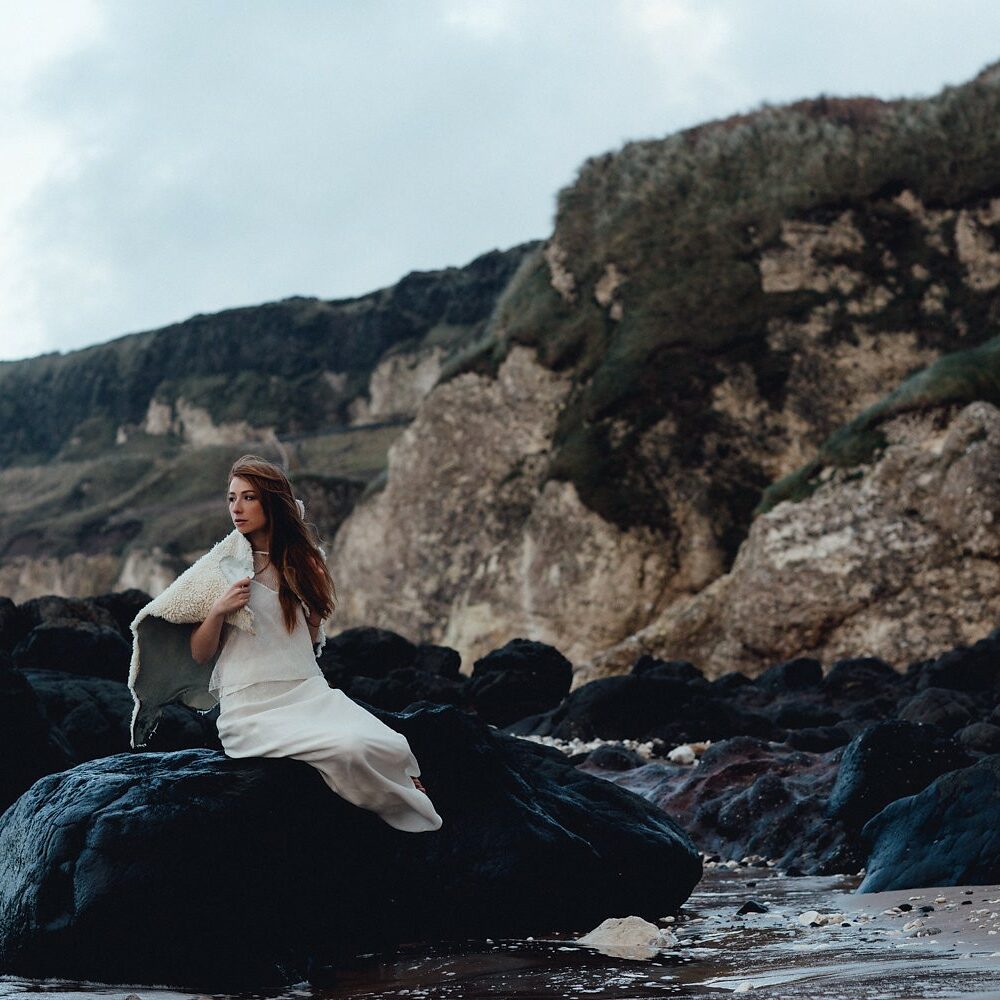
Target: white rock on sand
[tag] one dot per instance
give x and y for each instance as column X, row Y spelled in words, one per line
column 628, row 937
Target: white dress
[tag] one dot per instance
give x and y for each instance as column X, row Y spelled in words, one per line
column 275, row 702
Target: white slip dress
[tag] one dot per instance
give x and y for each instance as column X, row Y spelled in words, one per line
column 275, row 702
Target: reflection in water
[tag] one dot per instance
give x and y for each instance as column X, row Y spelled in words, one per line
column 927, row 944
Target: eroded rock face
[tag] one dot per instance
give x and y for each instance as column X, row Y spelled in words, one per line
column 467, row 543
column 239, row 864
column 897, row 560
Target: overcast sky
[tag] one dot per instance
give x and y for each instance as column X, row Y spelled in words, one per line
column 160, row 158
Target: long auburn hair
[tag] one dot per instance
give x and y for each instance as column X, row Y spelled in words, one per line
column 293, row 552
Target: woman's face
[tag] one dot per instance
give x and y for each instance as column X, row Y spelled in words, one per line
column 245, row 507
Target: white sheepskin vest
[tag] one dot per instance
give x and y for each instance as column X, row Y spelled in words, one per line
column 163, row 669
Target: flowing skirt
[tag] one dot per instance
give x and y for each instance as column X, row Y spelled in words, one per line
column 361, row 758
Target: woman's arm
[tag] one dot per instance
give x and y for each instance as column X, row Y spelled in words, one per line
column 205, row 638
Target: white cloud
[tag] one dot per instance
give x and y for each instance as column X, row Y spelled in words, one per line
column 483, row 20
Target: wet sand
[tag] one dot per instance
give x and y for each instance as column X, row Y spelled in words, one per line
column 884, row 947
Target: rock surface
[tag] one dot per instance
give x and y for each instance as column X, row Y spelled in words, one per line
column 899, row 562
column 253, row 870
column 948, row 834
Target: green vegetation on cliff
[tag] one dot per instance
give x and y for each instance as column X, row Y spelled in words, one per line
column 957, row 378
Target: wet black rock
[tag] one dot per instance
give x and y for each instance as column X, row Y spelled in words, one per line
column 441, row 660
column 614, row 758
column 889, row 761
column 13, row 626
column 750, row 797
column 819, row 739
column 28, row 746
column 521, row 678
column 364, row 652
column 751, row 906
column 52, row 608
column 385, row 669
column 254, row 871
column 91, row 716
column 677, row 670
column 966, row 668
column 792, row 675
column 648, row 706
column 404, row 686
column 980, row 737
column 941, row 707
column 123, row 606
column 948, row 834
column 78, row 647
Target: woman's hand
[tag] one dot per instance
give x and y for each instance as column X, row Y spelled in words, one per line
column 233, row 599
column 205, row 638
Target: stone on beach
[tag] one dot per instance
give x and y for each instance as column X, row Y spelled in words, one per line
column 628, row 937
column 252, row 869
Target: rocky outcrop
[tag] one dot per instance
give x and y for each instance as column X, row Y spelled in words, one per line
column 897, row 559
column 468, row 544
column 240, row 864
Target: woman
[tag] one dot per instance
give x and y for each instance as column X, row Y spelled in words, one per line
column 273, row 698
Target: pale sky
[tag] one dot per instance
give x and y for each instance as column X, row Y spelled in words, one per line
column 160, row 158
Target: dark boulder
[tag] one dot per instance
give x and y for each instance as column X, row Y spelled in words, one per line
column 678, row 670
column 404, row 686
column 980, row 737
column 91, row 715
column 77, row 647
column 860, row 678
column 801, row 714
column 52, row 607
column 966, row 668
column 216, row 874
column 792, row 675
column 28, row 747
column 819, row 739
column 13, row 625
column 365, row 652
column 650, row 707
column 441, row 660
column 521, row 678
column 886, row 762
column 948, row 710
column 377, row 652
column 123, row 606
column 611, row 757
column 948, row 834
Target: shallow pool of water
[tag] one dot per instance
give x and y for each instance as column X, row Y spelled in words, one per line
column 884, row 947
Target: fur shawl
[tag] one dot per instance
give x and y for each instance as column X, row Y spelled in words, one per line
column 163, row 669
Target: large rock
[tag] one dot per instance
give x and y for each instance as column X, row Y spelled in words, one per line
column 79, row 647
column 521, row 678
column 889, row 761
column 29, row 748
column 92, row 716
column 948, row 834
column 251, row 870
